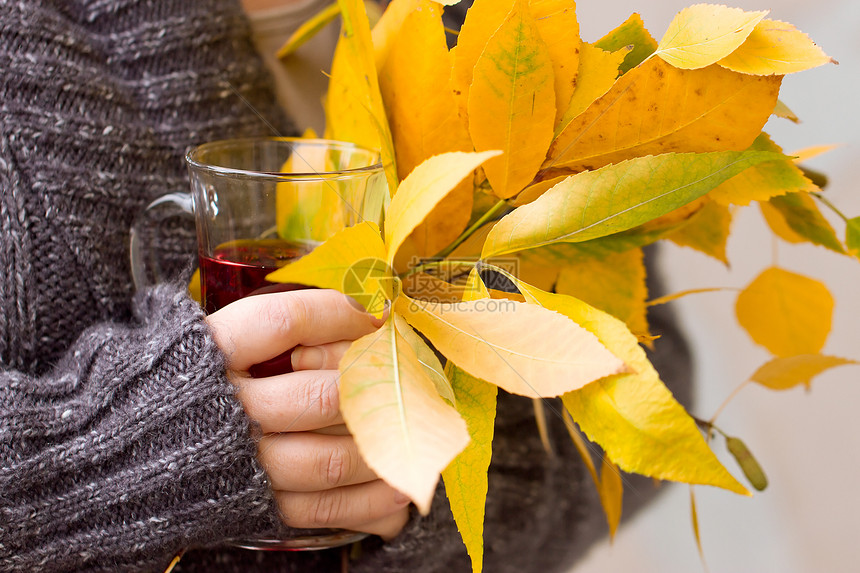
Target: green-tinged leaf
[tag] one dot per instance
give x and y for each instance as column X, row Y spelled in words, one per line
column 776, row 47
column 466, row 477
column 802, row 216
column 783, row 111
column 309, row 29
column 790, row 371
column 615, row 285
column 747, row 462
column 419, row 193
column 633, row 416
column 777, row 224
column 432, row 367
column 352, row 262
column 522, row 348
column 708, row 232
column 785, row 312
column 616, row 198
column 482, row 20
column 852, row 236
column 406, row 433
column 512, row 102
column 704, row 34
column 354, row 109
column 656, row 108
column 631, row 33
column 764, row 181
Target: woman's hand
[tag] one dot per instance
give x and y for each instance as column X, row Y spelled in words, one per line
column 318, row 476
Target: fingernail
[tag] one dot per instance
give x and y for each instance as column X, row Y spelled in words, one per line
column 355, row 304
column 308, row 358
column 400, row 499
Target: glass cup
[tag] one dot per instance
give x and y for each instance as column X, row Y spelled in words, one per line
column 258, row 204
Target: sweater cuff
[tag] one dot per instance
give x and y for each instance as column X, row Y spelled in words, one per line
column 135, row 447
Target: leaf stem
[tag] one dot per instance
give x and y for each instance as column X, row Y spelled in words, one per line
column 464, row 236
column 830, row 205
column 725, row 403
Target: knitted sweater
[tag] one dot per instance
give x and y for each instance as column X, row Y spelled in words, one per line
column 121, row 441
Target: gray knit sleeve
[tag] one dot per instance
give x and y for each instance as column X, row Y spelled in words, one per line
column 132, row 448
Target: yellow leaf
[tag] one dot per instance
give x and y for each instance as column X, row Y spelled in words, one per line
column 611, row 492
column 783, row 111
column 194, row 287
column 808, row 153
column 790, row 371
column 388, row 27
column 424, row 119
column 404, row 431
column 764, row 181
column 615, row 285
column 419, row 193
column 633, row 416
column 466, row 477
column 708, row 231
column 785, row 312
column 354, row 109
column 424, row 286
column 512, row 102
column 482, row 20
column 519, row 347
column 598, row 71
column 559, row 29
column 309, row 29
column 775, row 47
column 777, row 224
column 656, row 108
column 427, row 358
column 805, row 220
column 535, row 190
column 704, row 34
column 352, row 262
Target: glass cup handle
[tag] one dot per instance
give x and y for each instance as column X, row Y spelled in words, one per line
column 143, row 262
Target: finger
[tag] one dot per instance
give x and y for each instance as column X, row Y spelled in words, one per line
column 346, row 507
column 305, row 462
column 322, row 357
column 294, row 402
column 257, row 328
column 387, row 527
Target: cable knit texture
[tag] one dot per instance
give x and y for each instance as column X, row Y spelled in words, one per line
column 121, row 442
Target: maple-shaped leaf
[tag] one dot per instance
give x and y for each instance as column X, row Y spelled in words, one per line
column 708, row 232
column 704, row 34
column 424, row 119
column 786, row 312
column 511, row 103
column 657, row 108
column 412, row 433
column 775, row 47
column 616, row 198
column 787, row 372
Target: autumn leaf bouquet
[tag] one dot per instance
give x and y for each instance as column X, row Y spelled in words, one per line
column 526, row 171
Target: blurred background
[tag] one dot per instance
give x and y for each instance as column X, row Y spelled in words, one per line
column 808, row 443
